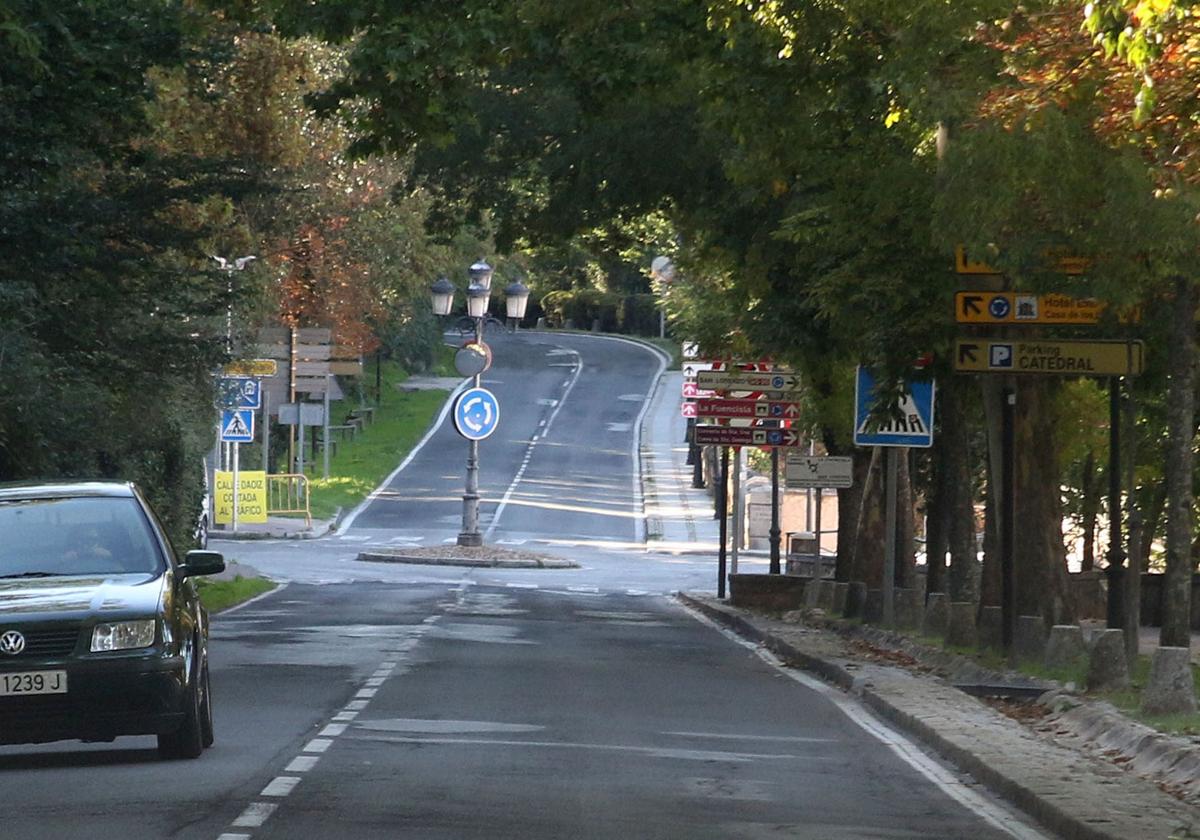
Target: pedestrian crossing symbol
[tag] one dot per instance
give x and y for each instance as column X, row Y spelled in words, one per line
column 237, row 425
column 909, row 424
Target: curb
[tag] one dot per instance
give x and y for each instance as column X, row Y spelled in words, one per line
column 1047, row 813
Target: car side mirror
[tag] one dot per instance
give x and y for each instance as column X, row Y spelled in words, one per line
column 201, row 563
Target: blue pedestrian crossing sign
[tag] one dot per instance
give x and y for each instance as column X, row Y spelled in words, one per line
column 237, row 425
column 476, row 413
column 911, row 424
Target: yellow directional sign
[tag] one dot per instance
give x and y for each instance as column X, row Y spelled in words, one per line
column 1050, row 358
column 965, row 264
column 1023, row 308
column 251, row 367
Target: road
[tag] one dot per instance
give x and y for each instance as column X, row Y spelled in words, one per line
column 370, row 700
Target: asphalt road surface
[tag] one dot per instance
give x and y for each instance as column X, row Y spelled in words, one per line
column 367, row 700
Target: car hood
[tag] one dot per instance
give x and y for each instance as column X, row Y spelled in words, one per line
column 79, row 597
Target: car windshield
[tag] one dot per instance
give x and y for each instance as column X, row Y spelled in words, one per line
column 75, row 536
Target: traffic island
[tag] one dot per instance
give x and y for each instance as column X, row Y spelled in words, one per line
column 482, row 556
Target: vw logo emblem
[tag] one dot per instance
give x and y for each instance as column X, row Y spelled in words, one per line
column 12, row 643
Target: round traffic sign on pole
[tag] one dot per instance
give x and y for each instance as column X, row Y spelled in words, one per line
column 476, row 413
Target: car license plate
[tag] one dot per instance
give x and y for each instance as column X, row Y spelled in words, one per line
column 33, row 682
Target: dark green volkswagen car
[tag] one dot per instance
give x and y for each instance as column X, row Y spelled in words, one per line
column 101, row 630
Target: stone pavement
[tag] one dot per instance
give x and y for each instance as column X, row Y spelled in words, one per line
column 679, row 517
column 1076, row 795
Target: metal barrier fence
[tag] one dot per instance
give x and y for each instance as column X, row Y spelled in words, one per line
column 288, row 493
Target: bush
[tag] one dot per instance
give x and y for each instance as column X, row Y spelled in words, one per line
column 582, row 308
column 639, row 315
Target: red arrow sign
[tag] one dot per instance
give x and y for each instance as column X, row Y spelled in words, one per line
column 692, row 391
column 688, row 409
column 762, row 409
column 745, row 436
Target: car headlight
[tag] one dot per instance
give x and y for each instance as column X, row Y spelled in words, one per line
column 123, row 635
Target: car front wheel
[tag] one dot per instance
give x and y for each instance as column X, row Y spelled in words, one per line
column 188, row 740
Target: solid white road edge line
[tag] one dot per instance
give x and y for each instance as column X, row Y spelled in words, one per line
column 994, row 812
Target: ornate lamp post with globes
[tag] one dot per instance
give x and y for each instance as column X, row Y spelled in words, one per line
column 476, row 410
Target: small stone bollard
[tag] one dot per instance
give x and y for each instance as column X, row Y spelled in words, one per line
column 1107, row 669
column 937, row 614
column 1170, row 689
column 1029, row 641
column 856, row 598
column 909, row 609
column 960, row 629
column 1065, row 648
column 825, row 597
column 991, row 628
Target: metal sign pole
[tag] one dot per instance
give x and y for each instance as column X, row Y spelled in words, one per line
column 325, row 428
column 773, row 534
column 300, row 448
column 236, row 448
column 723, row 506
column 266, row 427
column 737, row 510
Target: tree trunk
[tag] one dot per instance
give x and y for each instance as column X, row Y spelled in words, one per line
column 1040, row 557
column 960, row 489
column 906, row 559
column 849, row 505
column 937, row 517
column 1089, row 509
column 869, row 536
column 1181, row 410
column 1152, row 522
column 990, row 580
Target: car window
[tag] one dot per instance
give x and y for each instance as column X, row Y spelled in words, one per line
column 86, row 535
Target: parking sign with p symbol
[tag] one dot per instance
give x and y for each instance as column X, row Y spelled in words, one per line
column 1000, row 356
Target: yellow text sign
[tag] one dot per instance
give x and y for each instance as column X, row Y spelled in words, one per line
column 964, row 263
column 1050, row 358
column 252, row 497
column 1023, row 308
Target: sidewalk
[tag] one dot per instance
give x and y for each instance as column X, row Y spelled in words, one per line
column 679, row 517
column 275, row 528
column 1068, row 791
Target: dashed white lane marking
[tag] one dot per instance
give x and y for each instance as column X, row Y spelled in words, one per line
column 588, row 589
column 302, row 763
column 511, row 585
column 255, row 815
column 281, row 786
column 636, row 592
column 577, row 364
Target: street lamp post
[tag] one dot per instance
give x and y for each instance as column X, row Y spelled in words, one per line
column 478, row 295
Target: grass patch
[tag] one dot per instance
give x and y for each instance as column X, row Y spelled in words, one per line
column 361, row 463
column 219, row 595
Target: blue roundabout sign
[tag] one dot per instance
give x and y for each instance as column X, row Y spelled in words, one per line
column 476, row 413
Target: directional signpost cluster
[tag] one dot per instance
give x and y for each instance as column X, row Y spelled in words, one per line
column 736, row 404
column 999, row 343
